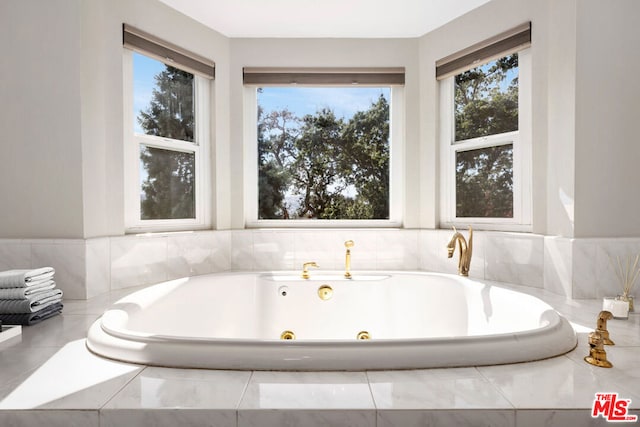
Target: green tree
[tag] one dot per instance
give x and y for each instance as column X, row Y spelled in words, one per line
column 486, row 103
column 483, row 106
column 484, row 182
column 365, row 160
column 168, row 189
column 315, row 169
column 277, row 133
column 327, row 168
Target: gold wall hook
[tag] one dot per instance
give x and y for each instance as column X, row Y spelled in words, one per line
column 601, row 328
column 597, row 356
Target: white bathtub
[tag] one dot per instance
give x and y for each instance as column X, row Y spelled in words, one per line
column 415, row 320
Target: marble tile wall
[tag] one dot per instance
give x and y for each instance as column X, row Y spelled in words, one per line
column 576, row 268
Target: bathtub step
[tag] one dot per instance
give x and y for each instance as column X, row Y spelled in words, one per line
column 9, row 332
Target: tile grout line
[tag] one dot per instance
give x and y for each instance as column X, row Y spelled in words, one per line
column 115, row 393
column 244, row 391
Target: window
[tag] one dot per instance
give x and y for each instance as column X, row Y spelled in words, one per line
column 485, row 140
column 166, row 118
column 324, row 155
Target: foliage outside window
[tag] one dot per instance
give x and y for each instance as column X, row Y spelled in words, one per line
column 485, row 152
column 323, row 160
column 169, row 144
column 486, row 103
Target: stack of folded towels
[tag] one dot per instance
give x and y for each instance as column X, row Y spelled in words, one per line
column 28, row 296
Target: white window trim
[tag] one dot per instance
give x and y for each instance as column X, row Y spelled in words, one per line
column 522, row 157
column 200, row 148
column 396, row 166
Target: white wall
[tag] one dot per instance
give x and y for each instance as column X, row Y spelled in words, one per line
column 61, row 111
column 328, row 53
column 607, row 142
column 477, row 25
column 102, row 101
column 40, row 140
column 585, row 106
column 561, row 68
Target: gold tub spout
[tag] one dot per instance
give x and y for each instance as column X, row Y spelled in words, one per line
column 305, row 268
column 601, row 327
column 347, row 258
column 465, row 249
column 597, row 356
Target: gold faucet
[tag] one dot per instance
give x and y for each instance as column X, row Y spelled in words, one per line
column 347, row 259
column 305, row 268
column 597, row 355
column 465, row 250
column 601, row 327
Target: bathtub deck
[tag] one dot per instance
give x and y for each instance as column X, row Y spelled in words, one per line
column 47, row 377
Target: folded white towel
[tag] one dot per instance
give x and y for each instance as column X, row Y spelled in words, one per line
column 24, row 293
column 32, row 303
column 25, row 278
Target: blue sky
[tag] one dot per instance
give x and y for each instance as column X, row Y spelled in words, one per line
column 344, row 101
column 144, row 69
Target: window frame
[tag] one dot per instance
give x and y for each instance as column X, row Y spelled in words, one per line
column 396, row 163
column 522, row 155
column 200, row 147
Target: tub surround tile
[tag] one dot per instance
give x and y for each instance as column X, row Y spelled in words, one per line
column 14, row 254
column 53, row 369
column 273, row 250
column 433, row 252
column 77, row 379
column 455, row 388
column 221, row 251
column 625, row 370
column 478, row 259
column 49, row 418
column 68, row 257
column 593, row 274
column 558, row 269
column 559, row 418
column 575, row 388
column 366, row 254
column 166, row 388
column 472, row 418
column 514, row 258
column 242, row 250
column 16, row 363
column 194, row 253
column 307, row 418
column 138, row 260
column 56, row 331
column 307, row 390
column 577, row 268
column 168, row 418
column 397, row 250
column 318, row 246
column 98, row 266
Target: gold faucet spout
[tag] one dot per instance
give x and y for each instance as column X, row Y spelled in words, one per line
column 465, row 250
column 305, row 268
column 347, row 259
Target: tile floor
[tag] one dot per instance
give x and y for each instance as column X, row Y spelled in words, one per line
column 48, row 378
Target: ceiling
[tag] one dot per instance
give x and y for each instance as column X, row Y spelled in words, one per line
column 324, row 18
